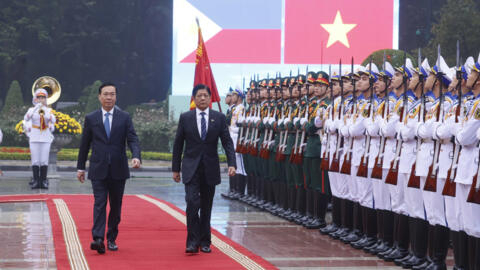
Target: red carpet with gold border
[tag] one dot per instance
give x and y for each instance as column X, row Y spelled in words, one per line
column 152, row 236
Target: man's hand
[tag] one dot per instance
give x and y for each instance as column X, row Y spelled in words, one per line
column 176, row 177
column 135, row 163
column 231, row 171
column 81, row 176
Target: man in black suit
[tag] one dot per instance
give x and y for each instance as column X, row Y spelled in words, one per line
column 200, row 130
column 107, row 130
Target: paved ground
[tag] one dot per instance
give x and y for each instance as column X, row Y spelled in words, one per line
column 283, row 243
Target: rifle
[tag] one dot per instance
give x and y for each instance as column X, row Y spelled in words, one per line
column 414, row 180
column 474, row 193
column 253, row 143
column 326, row 154
column 335, row 166
column 392, row 175
column 282, row 146
column 240, row 132
column 347, row 162
column 449, row 189
column 245, row 142
column 297, row 132
column 363, row 167
column 377, row 171
column 431, row 182
column 264, row 153
column 298, row 158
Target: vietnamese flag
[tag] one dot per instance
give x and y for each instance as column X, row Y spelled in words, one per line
column 203, row 72
column 317, row 30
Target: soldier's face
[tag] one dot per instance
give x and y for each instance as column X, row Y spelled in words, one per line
column 453, row 84
column 304, row 90
column 234, row 99
column 414, row 81
column 228, row 100
column 336, row 88
column 278, row 94
column 263, row 92
column 285, row 93
column 362, row 83
column 347, row 86
column 472, row 78
column 41, row 99
column 295, row 92
column 379, row 85
column 397, row 79
column 429, row 82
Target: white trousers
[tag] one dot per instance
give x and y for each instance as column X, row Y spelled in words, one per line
column 470, row 215
column 414, row 199
column 453, row 210
column 352, row 183
column 381, row 194
column 397, row 194
column 434, row 203
column 39, row 152
column 365, row 190
column 338, row 185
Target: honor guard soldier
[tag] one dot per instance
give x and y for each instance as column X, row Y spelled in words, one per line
column 318, row 186
column 467, row 171
column 329, row 150
column 228, row 117
column 381, row 194
column 39, row 123
column 397, row 181
column 238, row 111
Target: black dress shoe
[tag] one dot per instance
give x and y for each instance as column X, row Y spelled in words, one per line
column 396, row 254
column 423, row 265
column 98, row 245
column 191, row 249
column 413, row 261
column 205, row 249
column 352, row 237
column 400, row 261
column 112, row 246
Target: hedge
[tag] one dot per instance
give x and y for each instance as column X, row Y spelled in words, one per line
column 22, row 153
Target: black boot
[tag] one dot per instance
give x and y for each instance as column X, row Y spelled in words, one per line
column 379, row 220
column 229, row 194
column 459, row 264
column 318, row 211
column 336, row 217
column 346, row 220
column 301, row 205
column 43, row 177
column 419, row 246
column 309, row 205
column 357, row 231
column 401, row 250
column 473, row 252
column 291, row 212
column 36, row 175
column 242, row 180
column 440, row 248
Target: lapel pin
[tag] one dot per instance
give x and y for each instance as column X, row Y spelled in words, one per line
column 212, row 120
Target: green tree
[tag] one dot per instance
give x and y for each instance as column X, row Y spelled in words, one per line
column 14, row 99
column 457, row 20
column 92, row 101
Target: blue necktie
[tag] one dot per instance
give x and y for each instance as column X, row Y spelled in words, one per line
column 107, row 124
column 203, row 126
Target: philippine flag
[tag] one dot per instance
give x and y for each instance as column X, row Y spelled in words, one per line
column 246, row 31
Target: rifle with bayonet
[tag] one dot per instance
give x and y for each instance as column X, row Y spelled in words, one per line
column 377, row 171
column 449, row 189
column 240, row 132
column 325, row 163
column 392, row 176
column 414, row 180
column 431, row 182
column 347, row 162
column 363, row 167
column 298, row 157
column 335, row 166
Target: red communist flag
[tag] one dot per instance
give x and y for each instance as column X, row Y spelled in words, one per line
column 317, row 30
column 203, row 72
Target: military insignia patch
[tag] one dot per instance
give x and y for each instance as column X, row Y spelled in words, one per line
column 365, row 113
column 477, row 114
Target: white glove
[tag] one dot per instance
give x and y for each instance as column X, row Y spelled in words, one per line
column 271, row 120
column 240, row 120
column 295, row 120
column 51, row 127
column 280, row 121
column 286, row 121
column 303, row 121
column 264, row 120
column 344, row 131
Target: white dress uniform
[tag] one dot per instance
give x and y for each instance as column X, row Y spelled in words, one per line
column 237, row 119
column 40, row 137
column 413, row 196
column 337, row 186
column 349, row 188
column 467, row 167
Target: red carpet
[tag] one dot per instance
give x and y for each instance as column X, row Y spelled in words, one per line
column 151, row 237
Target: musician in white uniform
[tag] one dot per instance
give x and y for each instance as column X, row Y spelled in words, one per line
column 39, row 123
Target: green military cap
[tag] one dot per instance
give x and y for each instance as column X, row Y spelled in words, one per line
column 322, row 77
column 301, row 79
column 311, row 77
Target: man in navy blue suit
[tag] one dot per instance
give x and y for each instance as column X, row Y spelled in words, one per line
column 199, row 130
column 106, row 131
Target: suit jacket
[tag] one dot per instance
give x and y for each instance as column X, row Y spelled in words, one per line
column 197, row 150
column 108, row 151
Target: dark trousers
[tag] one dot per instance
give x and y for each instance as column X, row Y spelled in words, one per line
column 199, row 198
column 113, row 190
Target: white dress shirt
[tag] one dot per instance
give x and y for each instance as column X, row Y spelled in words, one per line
column 110, row 117
column 199, row 120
